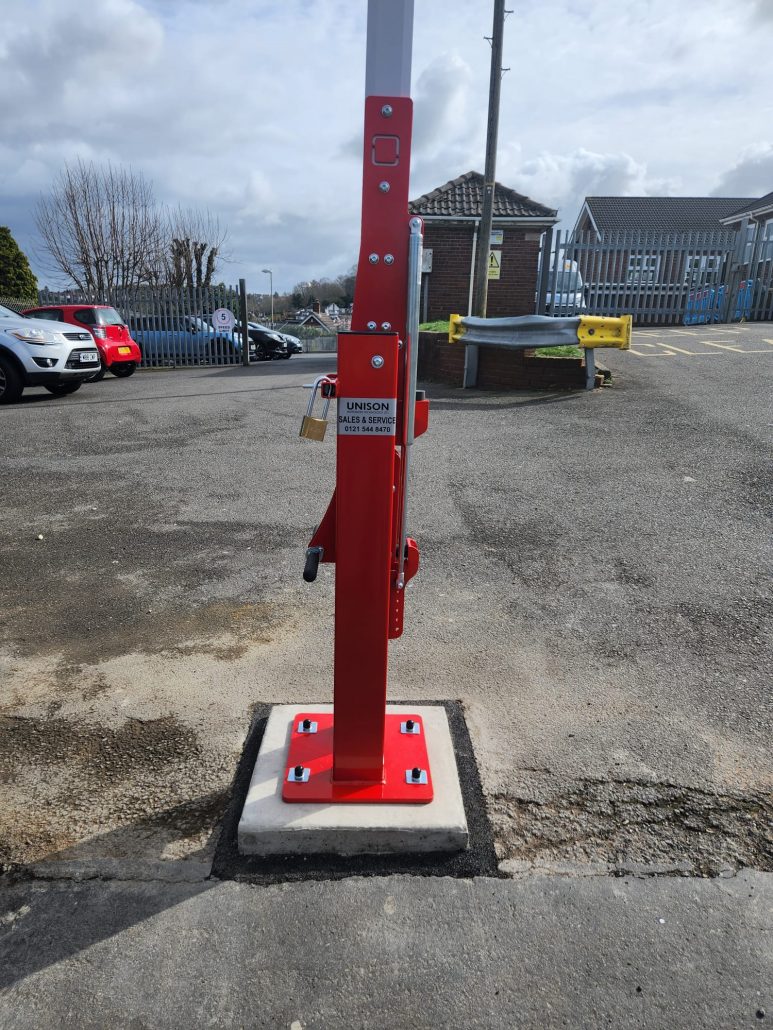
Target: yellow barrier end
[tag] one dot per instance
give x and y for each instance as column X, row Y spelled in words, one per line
column 599, row 331
column 455, row 328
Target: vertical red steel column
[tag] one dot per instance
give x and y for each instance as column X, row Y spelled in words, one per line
column 366, row 503
column 367, row 418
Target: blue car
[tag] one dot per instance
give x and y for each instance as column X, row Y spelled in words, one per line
column 182, row 340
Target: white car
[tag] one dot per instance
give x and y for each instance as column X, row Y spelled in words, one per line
column 34, row 352
column 566, row 282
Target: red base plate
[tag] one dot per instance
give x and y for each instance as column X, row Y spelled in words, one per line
column 314, row 751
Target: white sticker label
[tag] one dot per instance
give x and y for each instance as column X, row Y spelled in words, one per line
column 367, row 416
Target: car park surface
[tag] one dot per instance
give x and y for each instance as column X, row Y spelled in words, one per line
column 595, row 590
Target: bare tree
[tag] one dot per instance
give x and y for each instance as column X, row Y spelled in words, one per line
column 102, row 226
column 195, row 242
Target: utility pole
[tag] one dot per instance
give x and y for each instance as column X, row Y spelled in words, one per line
column 480, row 292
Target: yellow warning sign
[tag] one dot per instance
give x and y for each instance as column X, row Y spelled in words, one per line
column 494, row 263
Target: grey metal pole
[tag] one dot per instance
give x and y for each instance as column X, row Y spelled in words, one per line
column 243, row 320
column 389, row 48
column 480, row 293
column 415, row 244
column 542, row 286
column 270, row 274
column 590, row 368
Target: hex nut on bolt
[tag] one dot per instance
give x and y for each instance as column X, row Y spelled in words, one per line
column 377, row 361
column 384, row 187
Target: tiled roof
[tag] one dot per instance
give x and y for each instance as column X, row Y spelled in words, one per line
column 662, row 214
column 749, row 208
column 464, row 197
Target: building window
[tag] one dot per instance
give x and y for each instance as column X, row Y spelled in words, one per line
column 699, row 268
column 643, row 268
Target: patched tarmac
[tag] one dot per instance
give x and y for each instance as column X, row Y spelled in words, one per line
column 594, row 593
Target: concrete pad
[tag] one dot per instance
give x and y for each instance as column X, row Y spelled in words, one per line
column 269, row 826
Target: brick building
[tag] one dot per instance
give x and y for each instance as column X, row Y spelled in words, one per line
column 451, row 216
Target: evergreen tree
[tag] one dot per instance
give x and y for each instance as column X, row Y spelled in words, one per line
column 16, row 278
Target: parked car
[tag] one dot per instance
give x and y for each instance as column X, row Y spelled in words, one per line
column 268, row 343
column 42, row 353
column 294, row 345
column 118, row 352
column 567, row 285
column 186, row 340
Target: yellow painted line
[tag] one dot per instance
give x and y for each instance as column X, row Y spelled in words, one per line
column 678, row 349
column 768, row 341
column 722, row 346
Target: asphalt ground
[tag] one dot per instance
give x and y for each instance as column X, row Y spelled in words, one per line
column 594, row 590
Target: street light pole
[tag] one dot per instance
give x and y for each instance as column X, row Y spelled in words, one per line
column 270, row 274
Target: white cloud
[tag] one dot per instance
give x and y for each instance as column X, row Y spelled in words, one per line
column 564, row 180
column 751, row 175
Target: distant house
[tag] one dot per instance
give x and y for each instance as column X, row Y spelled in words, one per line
column 656, row 214
column 750, row 275
column 314, row 318
column 754, row 220
column 451, row 215
column 649, row 255
column 659, row 219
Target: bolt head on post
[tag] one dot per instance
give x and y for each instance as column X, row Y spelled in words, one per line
column 386, row 110
column 371, row 325
column 377, row 361
column 373, row 258
column 384, row 186
column 389, row 259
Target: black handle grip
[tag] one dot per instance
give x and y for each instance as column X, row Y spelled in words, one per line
column 313, row 558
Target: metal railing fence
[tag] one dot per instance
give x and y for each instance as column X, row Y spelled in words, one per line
column 171, row 325
column 659, row 278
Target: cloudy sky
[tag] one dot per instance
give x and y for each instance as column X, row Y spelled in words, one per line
column 253, row 108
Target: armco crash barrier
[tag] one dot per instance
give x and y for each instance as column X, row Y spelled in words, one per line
column 530, row 332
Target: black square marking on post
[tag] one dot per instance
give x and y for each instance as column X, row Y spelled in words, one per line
column 478, row 860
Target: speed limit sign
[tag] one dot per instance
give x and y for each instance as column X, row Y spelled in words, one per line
column 223, row 319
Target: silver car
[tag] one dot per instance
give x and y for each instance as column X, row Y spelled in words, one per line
column 34, row 352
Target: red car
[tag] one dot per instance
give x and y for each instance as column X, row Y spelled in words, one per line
column 117, row 350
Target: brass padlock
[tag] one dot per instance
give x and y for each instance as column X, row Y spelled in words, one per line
column 314, row 428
